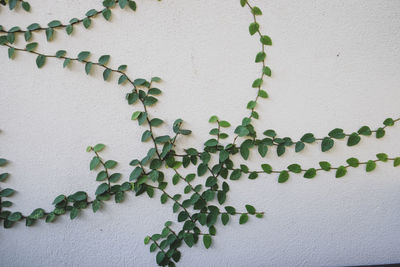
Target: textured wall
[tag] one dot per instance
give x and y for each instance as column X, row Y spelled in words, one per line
column 335, row 64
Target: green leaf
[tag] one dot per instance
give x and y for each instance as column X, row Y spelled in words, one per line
column 310, row 173
column 396, row 162
column 296, row 168
column 88, row 67
column 241, row 131
column 201, row 169
column 139, row 82
column 106, row 74
column 224, row 124
column 40, row 60
column 163, row 198
column 308, row 138
column 260, row 57
column 266, row 168
column 156, row 122
column 28, row 36
column 371, row 165
column 211, row 142
column 253, row 28
column 266, row 40
column 263, row 94
column 11, row 52
column 213, row 119
column 33, row 26
column 50, row 217
column 31, row 46
column 327, row 144
column 253, row 175
column 122, row 79
column 102, row 189
column 132, row 5
column 106, row 13
column 256, row 11
column 83, row 55
column 207, row 241
column 3, row 177
column 354, row 139
column 69, row 29
column 154, row 91
column 79, row 196
column 86, row 22
column 326, row 166
column 353, row 162
column 235, row 175
column 267, row 71
column 136, row 115
column 74, row 213
column 224, row 218
column 243, row 218
column 91, row 13
column 252, row 104
column 3, row 162
column 230, row 210
column 96, row 205
column 341, row 171
column 223, row 155
column 49, row 34
column 114, row 177
column 94, row 163
column 37, row 214
column 283, row 177
column 26, row 6
column 388, row 122
column 380, row 133
column 257, row 83
column 119, row 196
column 61, row 53
column 156, row 79
column 54, row 23
column 66, row 62
column 149, row 100
column 365, row 130
column 109, row 164
column 59, row 199
column 280, row 150
column 299, row 146
column 250, row 209
column 101, row 176
column 103, row 60
column 262, row 149
column 14, row 217
column 98, row 147
column 382, row 157
column 6, row 192
column 337, row 133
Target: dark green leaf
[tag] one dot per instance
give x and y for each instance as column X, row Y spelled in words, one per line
column 207, row 241
column 243, row 218
column 283, row 176
column 341, row 171
column 40, row 60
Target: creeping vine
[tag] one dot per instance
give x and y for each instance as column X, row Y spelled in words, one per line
column 202, row 204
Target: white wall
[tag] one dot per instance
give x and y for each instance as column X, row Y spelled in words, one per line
column 335, row 64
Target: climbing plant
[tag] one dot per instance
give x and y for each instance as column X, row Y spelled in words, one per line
column 202, row 204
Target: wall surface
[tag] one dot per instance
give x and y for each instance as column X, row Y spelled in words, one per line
column 335, row 64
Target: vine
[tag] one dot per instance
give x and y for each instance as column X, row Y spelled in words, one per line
column 201, row 205
column 13, row 4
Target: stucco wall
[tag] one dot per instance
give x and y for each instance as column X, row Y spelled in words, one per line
column 335, row 64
